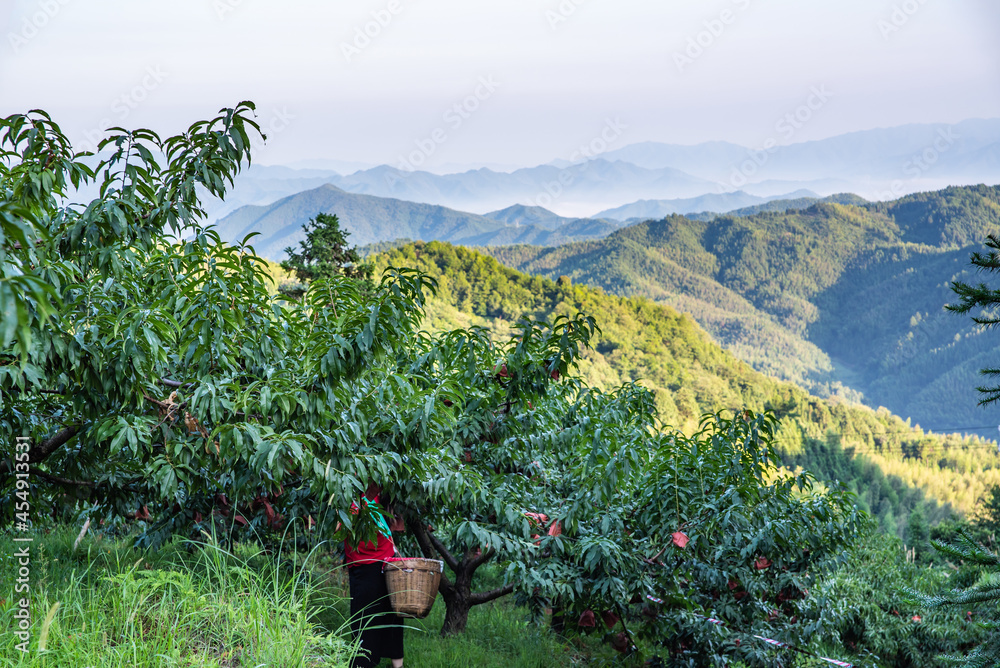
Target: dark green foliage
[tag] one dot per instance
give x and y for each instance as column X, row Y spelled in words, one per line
column 918, row 532
column 983, row 597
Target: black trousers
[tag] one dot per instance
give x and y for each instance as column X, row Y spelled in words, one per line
column 372, row 618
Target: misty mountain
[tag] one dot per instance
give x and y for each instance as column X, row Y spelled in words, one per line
column 369, row 219
column 521, row 214
column 592, row 183
column 655, row 209
column 915, row 154
column 588, row 186
column 881, row 164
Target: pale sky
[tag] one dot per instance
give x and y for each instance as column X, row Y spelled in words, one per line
column 533, row 79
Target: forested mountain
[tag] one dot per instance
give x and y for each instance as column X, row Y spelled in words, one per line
column 901, row 467
column 842, row 299
column 780, row 205
column 371, row 219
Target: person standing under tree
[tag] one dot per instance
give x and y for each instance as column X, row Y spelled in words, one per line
column 372, row 619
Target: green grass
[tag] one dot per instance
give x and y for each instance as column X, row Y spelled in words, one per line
column 189, row 605
column 200, row 605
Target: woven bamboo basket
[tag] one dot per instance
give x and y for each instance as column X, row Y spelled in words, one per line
column 413, row 585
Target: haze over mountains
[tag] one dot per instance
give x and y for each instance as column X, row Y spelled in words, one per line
column 876, row 164
column 968, row 149
column 371, row 219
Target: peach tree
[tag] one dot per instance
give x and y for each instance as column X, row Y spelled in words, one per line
column 161, row 382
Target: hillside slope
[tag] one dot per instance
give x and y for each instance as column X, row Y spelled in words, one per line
column 841, row 299
column 690, row 374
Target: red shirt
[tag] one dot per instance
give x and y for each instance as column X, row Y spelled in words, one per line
column 369, row 553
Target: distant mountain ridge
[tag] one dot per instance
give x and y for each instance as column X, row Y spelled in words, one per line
column 593, row 182
column 969, row 148
column 883, row 163
column 521, row 214
column 370, row 219
column 780, row 205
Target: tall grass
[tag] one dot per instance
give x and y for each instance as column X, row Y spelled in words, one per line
column 188, row 605
column 109, row 605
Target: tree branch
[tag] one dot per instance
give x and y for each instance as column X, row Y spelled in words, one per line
column 420, row 534
column 429, row 543
column 41, row 451
column 487, row 596
column 448, row 557
column 476, row 562
column 60, row 481
column 176, row 384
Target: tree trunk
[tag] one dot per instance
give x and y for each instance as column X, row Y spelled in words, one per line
column 458, row 595
column 457, row 602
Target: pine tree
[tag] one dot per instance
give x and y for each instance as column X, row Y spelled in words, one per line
column 979, row 600
column 985, row 594
column 324, row 253
column 987, row 299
